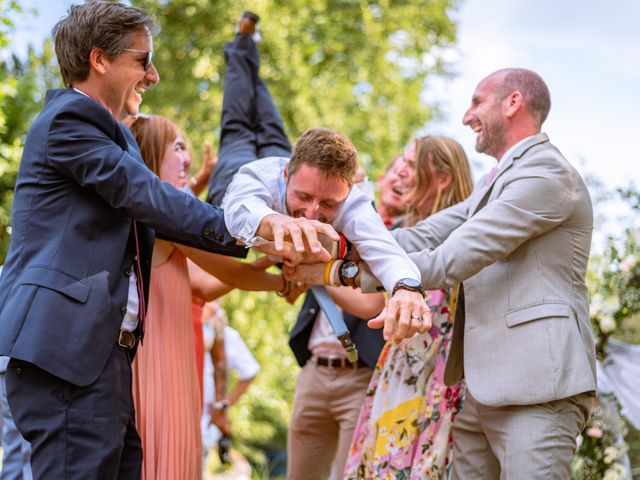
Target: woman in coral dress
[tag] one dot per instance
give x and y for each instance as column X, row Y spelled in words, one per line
column 165, row 379
column 404, row 429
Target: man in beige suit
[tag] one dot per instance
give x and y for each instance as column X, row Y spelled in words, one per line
column 519, row 247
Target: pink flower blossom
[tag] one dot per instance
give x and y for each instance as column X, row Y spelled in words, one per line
column 594, row 432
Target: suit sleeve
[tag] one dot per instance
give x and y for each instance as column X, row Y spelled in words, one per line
column 81, row 146
column 432, row 231
column 534, row 201
column 427, row 234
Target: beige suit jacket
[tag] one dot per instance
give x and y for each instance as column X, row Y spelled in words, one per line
column 520, row 248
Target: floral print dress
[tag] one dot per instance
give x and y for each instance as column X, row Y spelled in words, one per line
column 404, row 429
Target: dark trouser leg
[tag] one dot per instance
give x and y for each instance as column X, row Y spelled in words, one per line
column 77, row 432
column 271, row 138
column 250, row 119
column 131, row 459
column 237, row 128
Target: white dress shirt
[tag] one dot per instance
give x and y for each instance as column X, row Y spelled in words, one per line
column 323, row 341
column 258, row 190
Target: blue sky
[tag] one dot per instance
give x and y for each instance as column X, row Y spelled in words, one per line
column 587, row 51
column 589, row 54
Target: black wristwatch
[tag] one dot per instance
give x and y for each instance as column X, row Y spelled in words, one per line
column 410, row 284
column 347, row 274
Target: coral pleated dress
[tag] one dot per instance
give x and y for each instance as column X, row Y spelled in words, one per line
column 165, row 380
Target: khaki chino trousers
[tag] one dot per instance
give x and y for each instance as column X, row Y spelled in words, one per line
column 326, row 407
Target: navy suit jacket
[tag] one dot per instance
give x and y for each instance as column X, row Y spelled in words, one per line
column 64, row 287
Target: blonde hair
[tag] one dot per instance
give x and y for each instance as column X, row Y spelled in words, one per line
column 446, row 155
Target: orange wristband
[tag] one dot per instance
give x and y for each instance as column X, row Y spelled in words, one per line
column 327, row 271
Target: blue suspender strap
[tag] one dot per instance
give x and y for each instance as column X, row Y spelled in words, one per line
column 334, row 315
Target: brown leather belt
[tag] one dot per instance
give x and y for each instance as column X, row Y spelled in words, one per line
column 127, row 339
column 337, row 362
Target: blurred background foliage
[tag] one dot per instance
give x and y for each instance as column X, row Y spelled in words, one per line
column 355, row 65
column 23, row 82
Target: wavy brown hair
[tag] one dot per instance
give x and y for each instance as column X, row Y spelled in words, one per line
column 446, row 155
column 332, row 152
column 96, row 24
column 153, row 133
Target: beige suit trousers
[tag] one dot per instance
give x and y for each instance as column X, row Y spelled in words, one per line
column 325, row 412
column 519, row 442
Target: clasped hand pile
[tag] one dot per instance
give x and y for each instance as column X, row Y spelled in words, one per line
column 304, row 246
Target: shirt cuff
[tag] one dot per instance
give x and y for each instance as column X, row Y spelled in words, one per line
column 370, row 283
column 389, row 283
column 255, row 241
column 253, row 213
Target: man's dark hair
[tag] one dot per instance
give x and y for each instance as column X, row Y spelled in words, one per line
column 328, row 150
column 96, row 24
column 532, row 87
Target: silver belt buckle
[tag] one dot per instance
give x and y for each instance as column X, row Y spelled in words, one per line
column 126, row 339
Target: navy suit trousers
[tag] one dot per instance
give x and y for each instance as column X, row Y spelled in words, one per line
column 77, row 432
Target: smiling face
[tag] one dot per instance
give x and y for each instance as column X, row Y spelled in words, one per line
column 392, row 189
column 313, row 194
column 175, row 163
column 485, row 116
column 125, row 78
column 418, row 198
column 408, row 166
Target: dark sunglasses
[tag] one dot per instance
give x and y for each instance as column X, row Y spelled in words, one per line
column 148, row 59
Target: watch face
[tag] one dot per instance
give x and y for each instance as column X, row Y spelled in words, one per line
column 411, row 283
column 349, row 270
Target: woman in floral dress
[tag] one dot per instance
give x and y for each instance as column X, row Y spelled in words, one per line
column 404, row 429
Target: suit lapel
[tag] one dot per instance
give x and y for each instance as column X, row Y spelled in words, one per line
column 506, row 163
column 131, row 145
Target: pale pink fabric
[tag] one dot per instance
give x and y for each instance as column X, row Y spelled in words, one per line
column 165, row 380
column 491, row 176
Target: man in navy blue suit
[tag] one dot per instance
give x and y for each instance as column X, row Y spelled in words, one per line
column 85, row 212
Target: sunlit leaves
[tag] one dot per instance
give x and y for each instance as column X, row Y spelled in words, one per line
column 355, row 66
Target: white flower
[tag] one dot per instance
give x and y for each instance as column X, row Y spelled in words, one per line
column 611, row 454
column 597, row 305
column 612, row 304
column 579, row 441
column 611, row 474
column 607, row 324
column 628, row 263
column 617, row 471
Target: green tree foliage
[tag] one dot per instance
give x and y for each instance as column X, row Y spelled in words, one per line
column 357, row 66
column 10, row 149
column 614, row 286
column 22, row 87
